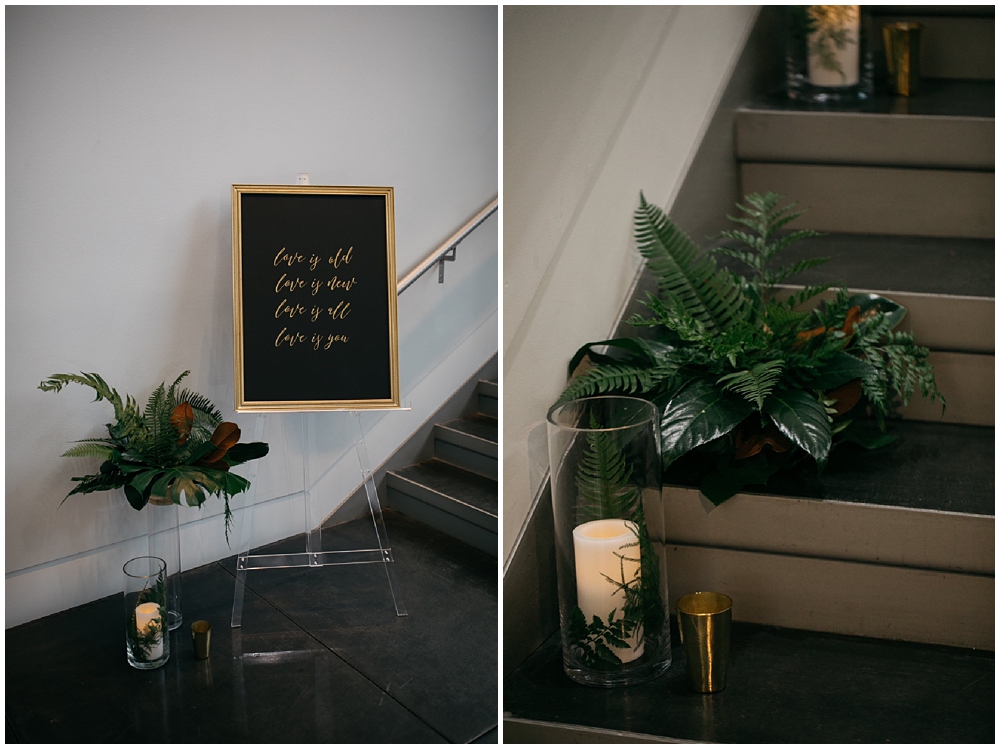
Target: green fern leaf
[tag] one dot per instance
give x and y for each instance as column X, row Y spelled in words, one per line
column 162, row 437
column 90, row 450
column 756, row 383
column 630, row 379
column 712, row 297
column 603, row 479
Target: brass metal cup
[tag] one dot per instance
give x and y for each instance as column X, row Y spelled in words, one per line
column 902, row 56
column 704, row 620
column 201, row 636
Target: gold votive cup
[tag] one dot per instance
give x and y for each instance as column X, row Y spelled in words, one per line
column 704, row 620
column 902, row 56
column 201, row 636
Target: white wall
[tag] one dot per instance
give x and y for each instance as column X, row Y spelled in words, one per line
column 125, row 129
column 599, row 103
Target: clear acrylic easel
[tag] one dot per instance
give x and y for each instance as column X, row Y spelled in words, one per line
column 313, row 556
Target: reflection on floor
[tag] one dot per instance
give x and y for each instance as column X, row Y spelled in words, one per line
column 321, row 655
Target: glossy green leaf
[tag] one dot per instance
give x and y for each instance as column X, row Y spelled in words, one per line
column 631, row 345
column 802, row 419
column 841, row 368
column 698, row 414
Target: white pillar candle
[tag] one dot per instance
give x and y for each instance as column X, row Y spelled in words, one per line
column 598, row 548
column 145, row 613
column 834, row 47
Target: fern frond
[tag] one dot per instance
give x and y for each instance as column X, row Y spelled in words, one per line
column 162, row 436
column 603, row 479
column 90, row 450
column 199, row 403
column 714, row 298
column 129, row 420
column 756, row 383
column 631, row 379
column 780, row 274
column 172, row 392
column 807, row 293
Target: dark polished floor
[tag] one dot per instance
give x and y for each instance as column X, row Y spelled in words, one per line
column 783, row 686
column 321, row 655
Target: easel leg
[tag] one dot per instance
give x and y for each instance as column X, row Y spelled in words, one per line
column 314, row 532
column 245, row 529
column 376, row 509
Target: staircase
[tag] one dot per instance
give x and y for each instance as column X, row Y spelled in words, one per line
column 905, row 190
column 862, row 573
column 455, row 491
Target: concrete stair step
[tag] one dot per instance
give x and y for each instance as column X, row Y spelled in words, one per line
column 950, row 125
column 881, row 200
column 462, row 504
column 882, row 544
column 469, row 443
column 488, row 394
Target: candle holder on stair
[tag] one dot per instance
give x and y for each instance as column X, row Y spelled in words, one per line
column 604, row 458
column 828, row 58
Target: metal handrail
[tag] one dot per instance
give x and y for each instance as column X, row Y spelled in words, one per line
column 441, row 254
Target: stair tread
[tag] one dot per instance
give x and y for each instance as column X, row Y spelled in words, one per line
column 478, row 425
column 932, row 466
column 923, row 265
column 938, row 98
column 455, row 483
column 911, row 693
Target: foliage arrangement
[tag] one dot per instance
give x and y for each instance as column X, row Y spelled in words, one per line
column 606, row 491
column 749, row 380
column 178, row 444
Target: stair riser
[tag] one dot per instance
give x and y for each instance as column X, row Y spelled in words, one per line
column 847, row 531
column 464, row 531
column 842, row 597
column 489, row 405
column 870, row 140
column 463, row 457
column 871, row 200
column 442, row 502
column 950, row 47
column 967, row 382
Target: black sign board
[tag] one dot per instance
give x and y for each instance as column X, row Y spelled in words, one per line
column 314, row 298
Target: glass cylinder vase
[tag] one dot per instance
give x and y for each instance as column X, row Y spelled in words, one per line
column 604, row 460
column 828, row 58
column 165, row 542
column 147, row 639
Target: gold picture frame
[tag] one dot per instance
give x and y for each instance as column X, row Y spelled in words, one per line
column 314, row 298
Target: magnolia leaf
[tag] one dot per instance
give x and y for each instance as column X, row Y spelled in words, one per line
column 841, row 369
column 847, row 396
column 751, row 441
column 225, row 436
column 698, row 414
column 181, row 419
column 802, row 419
column 631, row 345
column 246, row 451
column 872, row 303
